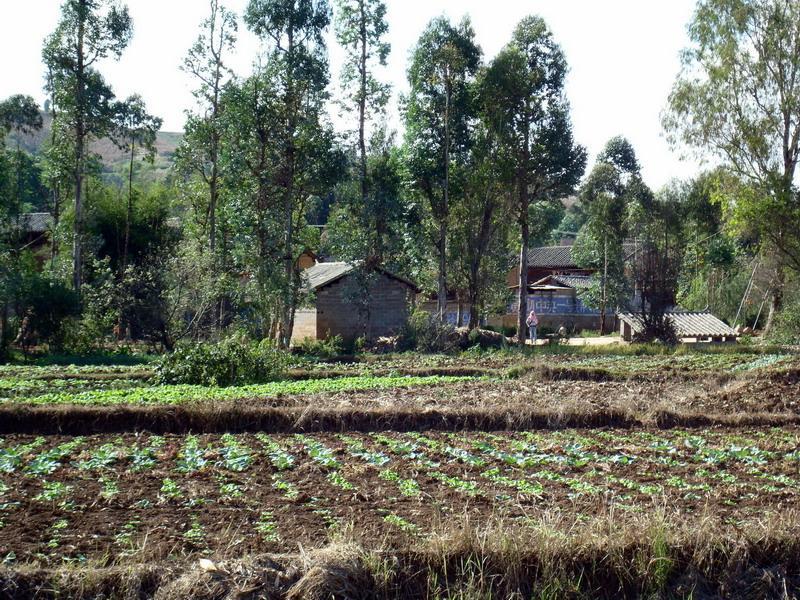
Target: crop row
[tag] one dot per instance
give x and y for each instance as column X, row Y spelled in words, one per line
column 683, row 362
column 33, row 392
column 277, row 488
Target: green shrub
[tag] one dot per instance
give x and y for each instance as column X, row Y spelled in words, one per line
column 233, row 361
column 50, row 306
column 330, row 347
column 786, row 329
column 426, row 333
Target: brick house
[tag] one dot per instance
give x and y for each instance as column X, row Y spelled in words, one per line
column 341, row 303
column 555, row 280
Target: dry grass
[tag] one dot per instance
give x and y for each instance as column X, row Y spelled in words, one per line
column 244, row 417
column 660, row 555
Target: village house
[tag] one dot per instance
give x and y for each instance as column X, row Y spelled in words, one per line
column 555, row 280
column 341, row 303
column 36, row 230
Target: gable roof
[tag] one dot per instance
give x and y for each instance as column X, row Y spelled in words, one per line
column 687, row 324
column 323, row 274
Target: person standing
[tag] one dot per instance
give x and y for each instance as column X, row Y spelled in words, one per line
column 533, row 323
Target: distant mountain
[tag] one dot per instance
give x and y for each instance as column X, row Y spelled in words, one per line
column 112, row 156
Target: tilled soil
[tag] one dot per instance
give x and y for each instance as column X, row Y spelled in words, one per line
column 385, row 489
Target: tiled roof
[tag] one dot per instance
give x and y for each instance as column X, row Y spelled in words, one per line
column 578, row 282
column 571, row 281
column 322, row 274
column 560, row 257
column 325, row 273
column 36, row 222
column 551, row 257
column 687, row 324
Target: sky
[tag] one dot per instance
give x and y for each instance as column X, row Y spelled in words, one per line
column 623, row 57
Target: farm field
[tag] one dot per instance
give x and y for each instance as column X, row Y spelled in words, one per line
column 109, row 500
column 455, row 466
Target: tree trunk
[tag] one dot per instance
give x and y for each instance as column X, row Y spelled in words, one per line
column 473, row 291
column 776, row 301
column 362, row 117
column 443, row 216
column 128, row 213
column 441, row 300
column 80, row 137
column 287, row 321
column 3, row 330
column 604, row 294
column 524, row 204
column 56, row 191
column 522, row 296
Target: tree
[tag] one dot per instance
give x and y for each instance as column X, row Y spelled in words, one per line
column 438, row 113
column 354, row 231
column 199, row 152
column 88, row 31
column 360, row 29
column 136, row 130
column 530, row 115
column 293, row 31
column 604, row 198
column 738, row 100
column 21, row 115
column 660, row 227
column 480, row 224
column 252, row 120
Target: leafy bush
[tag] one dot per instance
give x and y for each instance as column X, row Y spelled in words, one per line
column 786, row 329
column 49, row 304
column 232, row 361
column 330, row 347
column 426, row 333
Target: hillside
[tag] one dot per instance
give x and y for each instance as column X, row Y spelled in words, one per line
column 113, row 158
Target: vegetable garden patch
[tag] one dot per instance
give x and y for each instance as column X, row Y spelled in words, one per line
column 136, row 498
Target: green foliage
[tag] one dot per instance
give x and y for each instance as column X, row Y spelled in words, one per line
column 426, row 333
column 439, row 112
column 738, row 100
column 20, row 114
column 84, row 107
column 523, row 99
column 787, row 325
column 180, row 394
column 50, row 305
column 330, row 347
column 232, row 361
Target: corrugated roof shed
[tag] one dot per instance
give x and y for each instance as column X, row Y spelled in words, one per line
column 688, row 325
